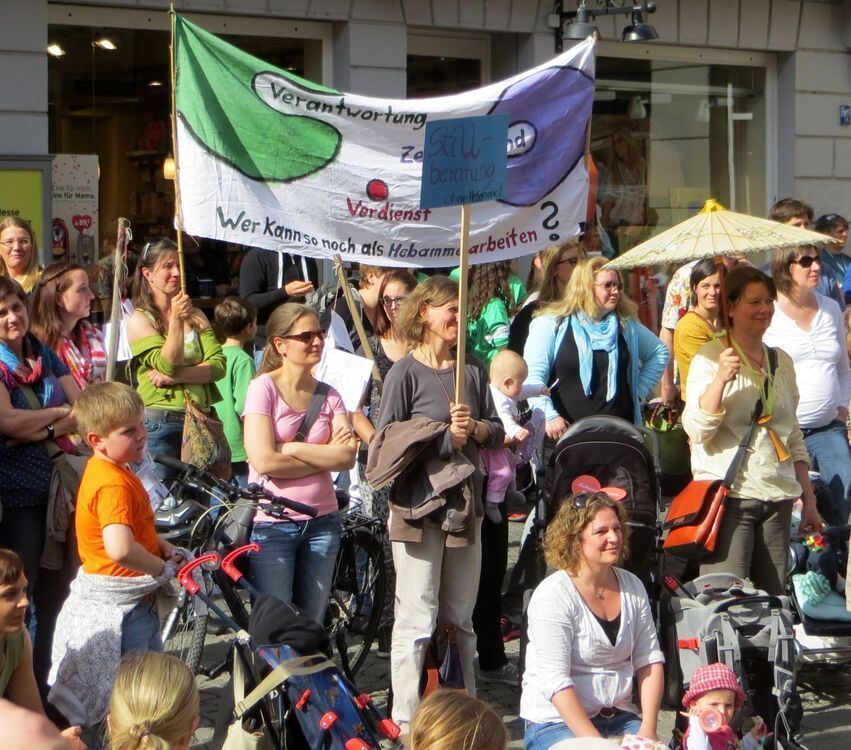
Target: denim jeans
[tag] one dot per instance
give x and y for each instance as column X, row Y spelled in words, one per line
column 165, row 436
column 140, row 629
column 831, row 457
column 544, row 736
column 296, row 561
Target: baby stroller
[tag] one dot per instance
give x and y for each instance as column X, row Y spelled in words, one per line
column 614, row 453
column 720, row 618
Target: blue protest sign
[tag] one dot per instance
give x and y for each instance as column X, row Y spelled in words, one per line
column 464, row 160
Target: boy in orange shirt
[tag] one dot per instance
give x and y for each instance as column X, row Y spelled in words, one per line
column 111, row 609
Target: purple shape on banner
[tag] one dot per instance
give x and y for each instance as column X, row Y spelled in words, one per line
column 548, row 113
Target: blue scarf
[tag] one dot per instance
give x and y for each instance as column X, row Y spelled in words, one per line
column 597, row 335
column 29, row 370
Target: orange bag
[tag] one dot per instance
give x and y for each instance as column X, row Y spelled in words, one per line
column 694, row 519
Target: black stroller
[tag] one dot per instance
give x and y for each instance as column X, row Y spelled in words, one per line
column 615, row 453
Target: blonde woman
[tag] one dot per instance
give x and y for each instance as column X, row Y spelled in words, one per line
column 175, row 351
column 18, row 252
column 452, row 720
column 297, row 555
column 591, row 633
column 591, row 344
column 154, row 704
column 438, row 570
column 557, row 264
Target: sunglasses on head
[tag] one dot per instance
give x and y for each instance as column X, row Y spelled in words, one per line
column 305, row 337
column 806, row 261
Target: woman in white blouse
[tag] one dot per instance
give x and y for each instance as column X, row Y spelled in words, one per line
column 809, row 327
column 590, row 633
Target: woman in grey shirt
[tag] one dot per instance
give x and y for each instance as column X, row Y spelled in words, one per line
column 438, row 569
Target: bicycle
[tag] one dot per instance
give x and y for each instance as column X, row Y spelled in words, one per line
column 359, row 584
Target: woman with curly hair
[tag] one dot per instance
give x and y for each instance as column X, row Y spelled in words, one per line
column 491, row 304
column 591, row 633
column 590, row 341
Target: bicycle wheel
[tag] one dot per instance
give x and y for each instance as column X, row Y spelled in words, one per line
column 185, row 629
column 357, row 598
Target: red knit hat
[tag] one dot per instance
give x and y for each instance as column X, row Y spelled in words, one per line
column 713, row 677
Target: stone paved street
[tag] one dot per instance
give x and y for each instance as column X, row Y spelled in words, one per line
column 826, row 694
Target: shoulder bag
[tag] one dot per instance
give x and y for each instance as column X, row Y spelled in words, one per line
column 204, row 443
column 695, row 516
column 240, row 520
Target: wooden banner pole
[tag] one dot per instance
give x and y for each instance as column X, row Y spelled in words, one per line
column 115, row 313
column 461, row 349
column 355, row 313
column 178, row 213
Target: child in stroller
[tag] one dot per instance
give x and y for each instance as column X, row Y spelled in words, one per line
column 713, row 698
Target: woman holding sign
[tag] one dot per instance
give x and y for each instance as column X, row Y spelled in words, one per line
column 436, row 549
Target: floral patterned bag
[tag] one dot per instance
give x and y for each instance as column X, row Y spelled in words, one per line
column 204, row 443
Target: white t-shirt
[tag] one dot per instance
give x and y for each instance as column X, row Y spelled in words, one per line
column 820, row 356
column 568, row 648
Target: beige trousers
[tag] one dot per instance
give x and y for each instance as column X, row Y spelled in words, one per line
column 434, row 583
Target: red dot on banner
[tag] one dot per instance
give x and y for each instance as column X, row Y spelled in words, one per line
column 377, row 190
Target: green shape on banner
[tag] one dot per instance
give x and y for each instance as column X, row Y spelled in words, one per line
column 215, row 98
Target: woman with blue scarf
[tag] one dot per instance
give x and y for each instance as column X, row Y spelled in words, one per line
column 36, row 393
column 591, row 345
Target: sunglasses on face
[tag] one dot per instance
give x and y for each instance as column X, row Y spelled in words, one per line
column 610, row 285
column 390, row 301
column 305, row 337
column 806, row 261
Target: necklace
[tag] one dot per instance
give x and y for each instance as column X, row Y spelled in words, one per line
column 437, row 375
column 599, row 591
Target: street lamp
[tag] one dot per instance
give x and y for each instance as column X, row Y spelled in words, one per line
column 579, row 24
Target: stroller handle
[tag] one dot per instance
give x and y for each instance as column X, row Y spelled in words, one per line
column 185, row 573
column 774, row 601
column 229, row 560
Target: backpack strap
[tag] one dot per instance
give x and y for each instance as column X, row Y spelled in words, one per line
column 313, row 409
column 298, row 667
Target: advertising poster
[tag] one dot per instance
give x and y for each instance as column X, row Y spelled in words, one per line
column 75, row 208
column 21, row 194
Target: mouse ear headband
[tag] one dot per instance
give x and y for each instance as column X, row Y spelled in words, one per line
column 585, row 484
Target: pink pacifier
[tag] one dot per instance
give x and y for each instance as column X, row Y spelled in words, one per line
column 710, row 720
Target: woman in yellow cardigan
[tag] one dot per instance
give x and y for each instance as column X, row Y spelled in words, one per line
column 175, row 352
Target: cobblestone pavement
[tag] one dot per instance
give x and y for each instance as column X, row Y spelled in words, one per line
column 826, row 694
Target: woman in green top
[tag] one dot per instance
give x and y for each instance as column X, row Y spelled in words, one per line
column 175, row 352
column 17, row 681
column 493, row 300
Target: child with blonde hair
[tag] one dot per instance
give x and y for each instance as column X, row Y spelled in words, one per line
column 508, row 370
column 452, row 720
column 154, row 704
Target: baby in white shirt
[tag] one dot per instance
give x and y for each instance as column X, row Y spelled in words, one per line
column 508, row 370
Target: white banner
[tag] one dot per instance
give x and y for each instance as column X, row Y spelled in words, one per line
column 267, row 159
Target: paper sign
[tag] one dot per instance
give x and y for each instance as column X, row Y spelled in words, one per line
column 464, row 160
column 75, row 208
column 346, row 373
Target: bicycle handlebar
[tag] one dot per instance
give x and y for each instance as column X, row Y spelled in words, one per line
column 173, row 463
column 263, row 492
column 229, row 559
column 184, row 576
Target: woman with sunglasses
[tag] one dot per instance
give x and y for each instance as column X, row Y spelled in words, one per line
column 810, row 328
column 557, row 264
column 297, row 554
column 591, row 633
column 18, row 252
column 701, row 323
column 61, row 303
column 175, row 352
column 725, row 383
column 592, row 346
column 439, row 568
column 388, row 347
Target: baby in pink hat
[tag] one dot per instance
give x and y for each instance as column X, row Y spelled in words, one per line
column 713, row 697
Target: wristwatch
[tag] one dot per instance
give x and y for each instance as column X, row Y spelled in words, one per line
column 50, row 430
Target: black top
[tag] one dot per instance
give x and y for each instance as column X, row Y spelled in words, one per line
column 258, row 279
column 610, row 627
column 519, row 330
column 569, row 398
